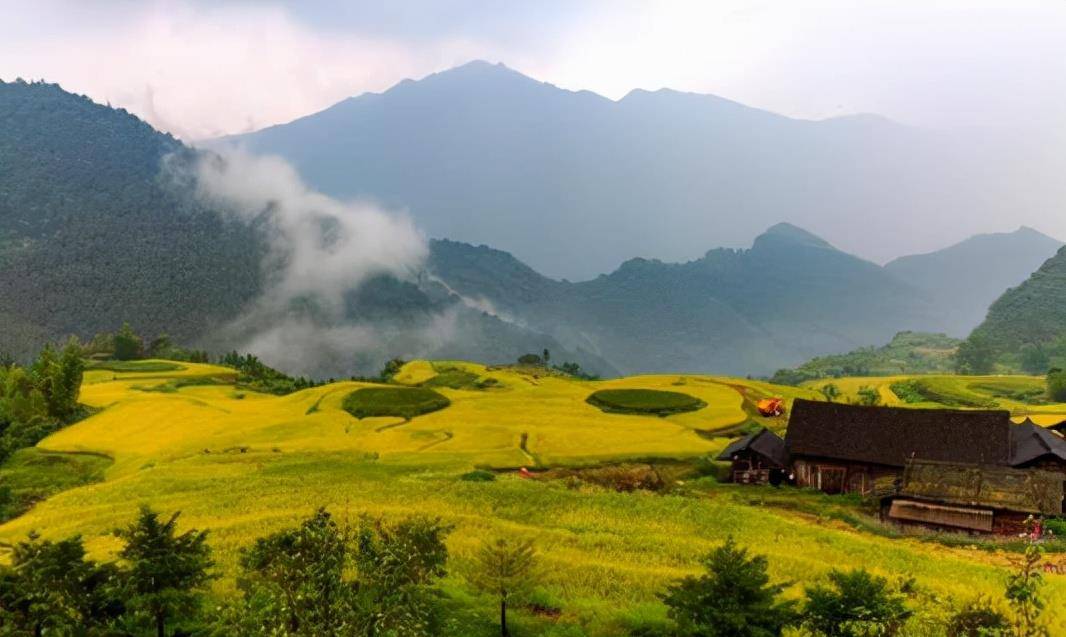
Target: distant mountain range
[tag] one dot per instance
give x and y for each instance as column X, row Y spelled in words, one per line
column 788, row 298
column 91, row 236
column 573, row 183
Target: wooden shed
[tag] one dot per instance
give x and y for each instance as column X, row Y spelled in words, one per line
column 757, row 458
column 974, row 498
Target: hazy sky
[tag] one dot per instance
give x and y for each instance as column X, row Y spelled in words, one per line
column 201, row 69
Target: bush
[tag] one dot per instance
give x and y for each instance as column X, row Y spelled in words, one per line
column 478, row 475
column 644, row 401
column 978, row 618
column 1056, row 385
column 401, row 402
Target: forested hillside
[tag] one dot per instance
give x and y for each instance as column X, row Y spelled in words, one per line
column 788, row 298
column 91, row 236
column 1029, row 318
column 94, row 233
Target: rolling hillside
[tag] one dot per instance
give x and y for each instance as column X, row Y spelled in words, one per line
column 243, row 464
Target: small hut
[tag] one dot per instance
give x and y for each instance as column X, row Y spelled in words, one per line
column 973, row 498
column 757, row 458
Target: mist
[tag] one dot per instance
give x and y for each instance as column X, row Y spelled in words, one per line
column 320, row 251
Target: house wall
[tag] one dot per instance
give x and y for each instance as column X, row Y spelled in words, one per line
column 836, row 476
column 752, row 468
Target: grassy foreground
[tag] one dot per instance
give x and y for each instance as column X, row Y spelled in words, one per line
column 245, row 464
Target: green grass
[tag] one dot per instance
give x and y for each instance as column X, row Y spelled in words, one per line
column 453, row 379
column 401, row 402
column 943, row 391
column 136, row 366
column 31, row 475
column 1023, row 390
column 644, row 401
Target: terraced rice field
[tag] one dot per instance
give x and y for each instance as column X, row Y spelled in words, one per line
column 244, row 464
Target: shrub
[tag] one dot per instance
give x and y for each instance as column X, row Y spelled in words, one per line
column 478, row 475
column 644, row 401
column 401, row 402
column 978, row 618
column 1056, row 385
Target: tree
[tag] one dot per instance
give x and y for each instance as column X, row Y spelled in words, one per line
column 975, row 356
column 733, row 599
column 547, row 356
column 397, row 567
column 530, row 359
column 50, row 586
column 299, row 573
column 392, row 367
column 1034, row 359
column 128, row 346
column 868, row 396
column 830, row 391
column 160, row 347
column 1023, row 590
column 1056, row 384
column 855, row 604
column 503, row 568
column 165, row 570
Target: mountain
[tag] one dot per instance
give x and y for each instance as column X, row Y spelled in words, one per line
column 573, row 183
column 93, row 233
column 789, row 297
column 90, row 237
column 1033, row 313
column 967, row 277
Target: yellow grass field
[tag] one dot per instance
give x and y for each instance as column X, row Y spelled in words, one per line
column 244, row 464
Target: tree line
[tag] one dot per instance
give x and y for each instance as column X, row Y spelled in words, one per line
column 378, row 578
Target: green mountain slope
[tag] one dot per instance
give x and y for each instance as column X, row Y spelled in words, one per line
column 1033, row 313
column 89, row 236
column 966, row 278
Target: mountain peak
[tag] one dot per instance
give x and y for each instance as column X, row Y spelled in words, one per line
column 786, row 233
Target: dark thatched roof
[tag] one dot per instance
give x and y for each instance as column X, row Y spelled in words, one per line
column 1025, row 491
column 1059, row 427
column 763, row 442
column 1032, row 443
column 891, row 436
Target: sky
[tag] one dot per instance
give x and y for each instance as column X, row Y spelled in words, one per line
column 205, row 69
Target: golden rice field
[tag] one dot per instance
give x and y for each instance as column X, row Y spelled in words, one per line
column 244, row 464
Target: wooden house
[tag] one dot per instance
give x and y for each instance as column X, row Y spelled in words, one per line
column 841, row 448
column 974, row 498
column 757, row 458
column 1036, row 447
